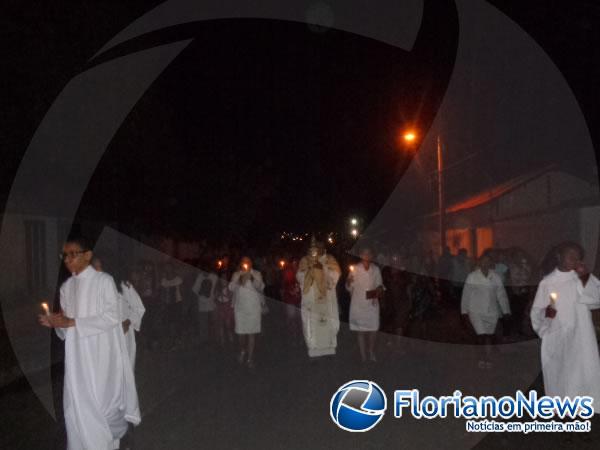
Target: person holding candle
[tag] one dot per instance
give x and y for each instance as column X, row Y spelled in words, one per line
column 248, row 302
column 317, row 275
column 366, row 288
column 223, row 298
column 561, row 317
column 99, row 389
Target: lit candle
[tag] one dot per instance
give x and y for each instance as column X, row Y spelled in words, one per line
column 245, row 267
column 46, row 309
column 351, row 268
column 282, row 263
column 219, row 264
column 553, row 298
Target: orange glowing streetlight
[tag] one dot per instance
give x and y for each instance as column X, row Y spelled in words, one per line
column 409, row 136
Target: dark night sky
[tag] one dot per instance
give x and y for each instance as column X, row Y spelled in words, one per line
column 260, row 125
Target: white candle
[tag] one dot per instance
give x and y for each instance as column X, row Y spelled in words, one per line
column 46, row 309
column 553, row 297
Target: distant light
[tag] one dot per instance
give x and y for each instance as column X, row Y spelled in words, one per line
column 410, row 136
column 354, row 221
column 330, row 240
column 354, row 232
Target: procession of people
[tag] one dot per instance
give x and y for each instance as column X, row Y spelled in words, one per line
column 103, row 307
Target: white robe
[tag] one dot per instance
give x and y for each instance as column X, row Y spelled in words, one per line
column 320, row 320
column 99, row 389
column 248, row 302
column 364, row 313
column 133, row 309
column 484, row 299
column 570, row 360
column 205, row 303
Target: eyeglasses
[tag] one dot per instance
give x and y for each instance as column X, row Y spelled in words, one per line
column 71, row 255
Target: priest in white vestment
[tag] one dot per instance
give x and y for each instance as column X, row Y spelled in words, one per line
column 100, row 397
column 318, row 274
column 561, row 317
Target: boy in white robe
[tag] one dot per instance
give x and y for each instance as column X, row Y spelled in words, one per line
column 99, row 389
column 561, row 317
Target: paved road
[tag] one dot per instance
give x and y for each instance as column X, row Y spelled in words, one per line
column 199, row 397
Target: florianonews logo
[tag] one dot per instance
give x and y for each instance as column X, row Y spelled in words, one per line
column 358, row 405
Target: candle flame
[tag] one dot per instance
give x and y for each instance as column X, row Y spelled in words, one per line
column 282, row 263
column 46, row 309
column 351, row 268
column 553, row 296
column 245, row 266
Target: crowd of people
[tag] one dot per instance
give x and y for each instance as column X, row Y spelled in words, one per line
column 223, row 294
column 221, row 298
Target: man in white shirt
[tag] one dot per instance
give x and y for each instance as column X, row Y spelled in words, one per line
column 99, row 388
column 483, row 302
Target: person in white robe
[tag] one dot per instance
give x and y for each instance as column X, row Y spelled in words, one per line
column 484, row 301
column 132, row 310
column 366, row 288
column 205, row 289
column 561, row 317
column 99, row 388
column 318, row 274
column 248, row 303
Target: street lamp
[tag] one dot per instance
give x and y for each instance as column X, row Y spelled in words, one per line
column 409, row 136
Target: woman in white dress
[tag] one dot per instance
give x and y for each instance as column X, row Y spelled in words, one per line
column 248, row 302
column 366, row 288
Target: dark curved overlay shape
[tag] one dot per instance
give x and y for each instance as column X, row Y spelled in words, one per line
column 391, row 21
column 513, row 124
column 80, row 124
column 51, row 180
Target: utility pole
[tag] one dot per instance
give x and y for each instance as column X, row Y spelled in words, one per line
column 441, row 206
